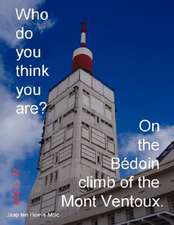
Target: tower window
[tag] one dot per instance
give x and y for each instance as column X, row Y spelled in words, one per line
column 71, row 93
column 70, row 125
column 108, row 107
column 68, row 113
column 129, row 213
column 98, row 159
column 85, row 92
column 47, row 140
column 106, row 123
column 64, row 188
column 111, row 219
column 50, row 107
column 96, row 175
column 98, row 119
column 56, row 176
column 51, row 178
column 57, row 158
column 85, row 124
column 94, row 222
column 35, row 200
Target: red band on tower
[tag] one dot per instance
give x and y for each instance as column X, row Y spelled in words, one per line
column 82, row 57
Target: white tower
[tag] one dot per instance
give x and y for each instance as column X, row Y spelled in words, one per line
column 79, row 137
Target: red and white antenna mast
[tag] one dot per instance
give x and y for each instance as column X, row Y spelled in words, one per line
column 83, row 57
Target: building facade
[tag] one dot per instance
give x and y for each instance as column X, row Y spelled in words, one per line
column 79, row 140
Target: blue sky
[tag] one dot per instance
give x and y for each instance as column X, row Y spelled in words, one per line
column 133, row 47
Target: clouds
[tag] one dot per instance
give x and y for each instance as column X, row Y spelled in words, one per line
column 19, row 134
column 2, row 69
column 129, row 142
column 19, row 137
column 12, row 209
column 22, row 124
column 128, row 146
column 9, row 24
column 47, row 24
column 4, row 75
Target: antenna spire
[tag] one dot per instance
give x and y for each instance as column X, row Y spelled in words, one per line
column 83, row 34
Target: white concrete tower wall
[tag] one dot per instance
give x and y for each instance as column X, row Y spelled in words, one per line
column 79, row 140
column 79, row 137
